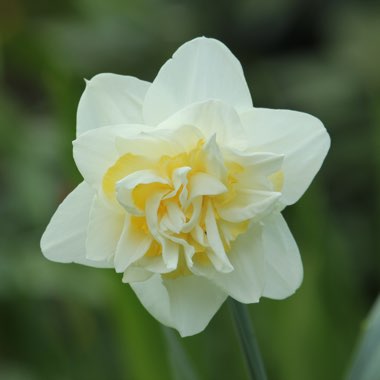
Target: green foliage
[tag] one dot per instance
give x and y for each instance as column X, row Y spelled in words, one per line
column 62, row 322
column 366, row 363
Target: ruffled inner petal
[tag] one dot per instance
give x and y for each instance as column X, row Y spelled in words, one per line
column 187, row 208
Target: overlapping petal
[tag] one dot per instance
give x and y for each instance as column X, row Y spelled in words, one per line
column 186, row 303
column 249, row 205
column 132, row 245
column 95, row 151
column 284, row 271
column 300, row 137
column 247, row 281
column 213, row 118
column 111, row 99
column 200, row 70
column 64, row 239
column 104, row 228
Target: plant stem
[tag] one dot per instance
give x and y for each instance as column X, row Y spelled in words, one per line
column 248, row 340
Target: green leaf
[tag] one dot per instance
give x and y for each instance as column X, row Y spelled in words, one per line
column 366, row 362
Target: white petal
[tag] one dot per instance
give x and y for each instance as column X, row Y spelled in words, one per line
column 212, row 118
column 248, row 204
column 136, row 274
column 170, row 253
column 246, row 282
column 151, row 209
column 205, row 184
column 104, row 229
column 153, row 144
column 255, row 168
column 111, row 99
column 125, row 187
column 155, row 298
column 187, row 303
column 218, row 256
column 133, row 245
column 198, row 235
column 300, row 137
column 158, row 142
column 179, row 178
column 188, row 250
column 65, row 237
column 200, row 70
column 95, row 151
column 154, row 264
column 174, row 217
column 197, row 209
column 284, row 270
column 169, row 248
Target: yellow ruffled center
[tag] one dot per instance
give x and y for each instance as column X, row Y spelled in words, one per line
column 186, row 211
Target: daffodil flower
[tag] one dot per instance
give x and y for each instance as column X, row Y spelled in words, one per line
column 184, row 184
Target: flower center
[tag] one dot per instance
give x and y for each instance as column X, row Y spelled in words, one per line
column 190, row 206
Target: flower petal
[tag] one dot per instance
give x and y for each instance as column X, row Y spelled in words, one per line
column 248, row 204
column 300, row 137
column 157, row 142
column 253, row 171
column 95, row 151
column 111, row 99
column 126, row 186
column 214, row 160
column 133, row 245
column 174, row 219
column 217, row 255
column 196, row 213
column 64, row 239
column 213, row 118
column 284, row 271
column 104, row 229
column 200, row 70
column 170, row 250
column 136, row 274
column 246, row 282
column 186, row 303
column 205, row 184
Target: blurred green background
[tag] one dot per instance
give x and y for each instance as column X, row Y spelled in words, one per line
column 61, row 322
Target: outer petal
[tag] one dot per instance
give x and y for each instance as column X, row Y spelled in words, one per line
column 284, row 270
column 246, row 282
column 300, row 137
column 136, row 274
column 95, row 151
column 110, row 99
column 104, row 229
column 186, row 303
column 200, row 70
column 64, row 239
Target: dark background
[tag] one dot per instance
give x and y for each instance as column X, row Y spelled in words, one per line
column 61, row 322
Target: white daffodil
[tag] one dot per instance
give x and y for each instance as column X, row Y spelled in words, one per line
column 184, row 182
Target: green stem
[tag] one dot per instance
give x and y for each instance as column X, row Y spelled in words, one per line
column 248, row 340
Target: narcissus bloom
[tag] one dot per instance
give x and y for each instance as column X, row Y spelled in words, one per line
column 184, row 184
